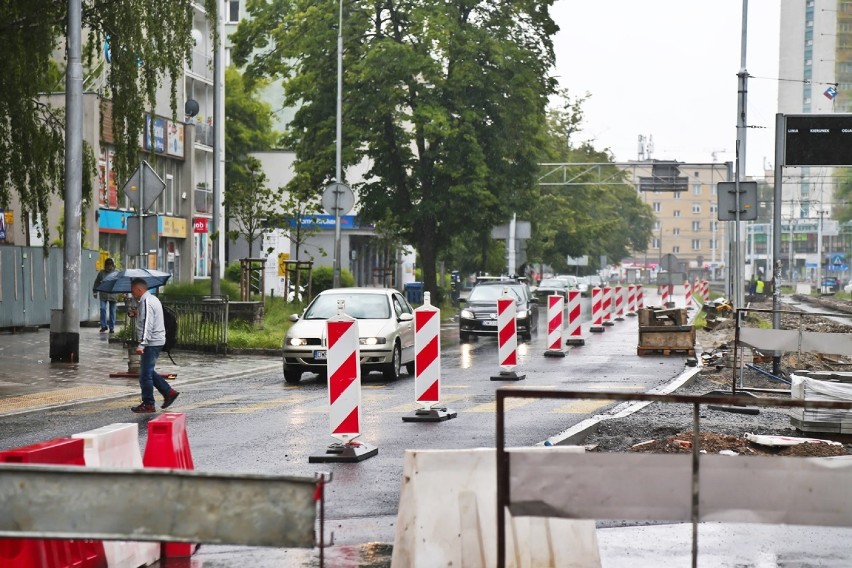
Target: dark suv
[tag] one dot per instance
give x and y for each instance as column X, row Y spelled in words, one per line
column 479, row 315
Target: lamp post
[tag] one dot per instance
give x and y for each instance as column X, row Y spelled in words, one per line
column 338, row 174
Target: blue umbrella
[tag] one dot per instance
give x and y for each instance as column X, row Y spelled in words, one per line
column 119, row 281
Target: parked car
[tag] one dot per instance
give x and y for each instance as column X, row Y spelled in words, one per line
column 570, row 279
column 551, row 286
column 830, row 282
column 848, row 287
column 385, row 328
column 479, row 316
column 583, row 285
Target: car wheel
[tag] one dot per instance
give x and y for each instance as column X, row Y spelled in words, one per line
column 409, row 368
column 293, row 376
column 393, row 370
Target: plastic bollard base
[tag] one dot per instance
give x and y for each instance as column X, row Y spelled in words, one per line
column 431, row 415
column 508, row 376
column 351, row 452
column 555, row 353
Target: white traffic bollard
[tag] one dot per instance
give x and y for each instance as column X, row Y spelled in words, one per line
column 607, row 306
column 555, row 309
column 507, row 338
column 427, row 365
column 688, row 292
column 597, row 311
column 575, row 333
column 619, row 303
column 343, row 363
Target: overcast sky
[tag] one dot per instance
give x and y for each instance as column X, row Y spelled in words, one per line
column 667, row 68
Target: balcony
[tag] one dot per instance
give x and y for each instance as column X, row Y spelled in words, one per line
column 202, row 66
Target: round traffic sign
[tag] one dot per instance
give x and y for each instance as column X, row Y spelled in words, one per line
column 338, row 199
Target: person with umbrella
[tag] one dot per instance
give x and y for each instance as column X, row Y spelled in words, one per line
column 108, row 299
column 151, row 331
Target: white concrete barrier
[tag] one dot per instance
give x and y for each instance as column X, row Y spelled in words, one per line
column 117, row 446
column 447, row 517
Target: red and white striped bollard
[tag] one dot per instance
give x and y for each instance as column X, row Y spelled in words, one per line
column 640, row 297
column 343, row 364
column 555, row 309
column 665, row 297
column 427, row 365
column 607, row 306
column 597, row 311
column 619, row 302
column 631, row 300
column 575, row 334
column 507, row 338
column 688, row 292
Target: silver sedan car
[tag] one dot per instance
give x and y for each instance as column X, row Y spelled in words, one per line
column 385, row 328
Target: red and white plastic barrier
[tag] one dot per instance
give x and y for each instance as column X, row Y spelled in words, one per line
column 705, row 290
column 607, row 306
column 618, row 308
column 555, row 324
column 640, row 297
column 688, row 293
column 574, row 329
column 117, row 446
column 507, row 338
column 665, row 295
column 631, row 299
column 29, row 553
column 427, row 364
column 698, row 291
column 597, row 311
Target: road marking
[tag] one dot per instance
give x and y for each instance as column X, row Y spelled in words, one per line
column 373, row 386
column 635, row 388
column 412, row 406
column 266, row 405
column 508, row 404
column 56, row 397
column 581, row 407
column 222, row 400
column 454, row 386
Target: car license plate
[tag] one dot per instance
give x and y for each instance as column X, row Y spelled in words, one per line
column 319, row 355
column 489, row 323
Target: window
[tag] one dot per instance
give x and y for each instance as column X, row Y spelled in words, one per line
column 696, row 188
column 657, row 207
column 675, row 250
column 677, row 195
column 714, row 225
column 696, row 244
column 696, row 226
column 657, row 225
column 714, row 189
column 676, row 213
column 676, row 231
column 713, row 208
column 655, row 243
column 712, row 244
column 233, row 11
column 696, row 208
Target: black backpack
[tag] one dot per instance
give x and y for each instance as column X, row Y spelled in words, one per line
column 171, row 324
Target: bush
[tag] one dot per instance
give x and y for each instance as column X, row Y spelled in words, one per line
column 323, row 277
column 200, row 288
column 232, row 272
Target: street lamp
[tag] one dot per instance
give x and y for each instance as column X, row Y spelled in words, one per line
column 339, row 146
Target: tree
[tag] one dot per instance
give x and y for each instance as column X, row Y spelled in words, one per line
column 299, row 216
column 446, row 99
column 842, row 210
column 250, row 203
column 248, row 126
column 149, row 42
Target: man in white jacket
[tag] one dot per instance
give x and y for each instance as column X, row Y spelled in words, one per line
column 151, row 332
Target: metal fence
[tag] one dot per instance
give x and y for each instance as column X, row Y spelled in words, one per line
column 202, row 322
column 31, row 285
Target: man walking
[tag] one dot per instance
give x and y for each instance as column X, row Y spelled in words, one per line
column 107, row 299
column 151, row 332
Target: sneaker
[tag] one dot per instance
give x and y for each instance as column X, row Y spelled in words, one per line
column 169, row 398
column 103, row 329
column 112, row 331
column 144, row 409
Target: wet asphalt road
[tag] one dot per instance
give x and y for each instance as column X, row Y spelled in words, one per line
column 259, row 424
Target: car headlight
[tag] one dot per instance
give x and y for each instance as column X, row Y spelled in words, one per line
column 297, row 341
column 522, row 314
column 373, row 340
column 467, row 314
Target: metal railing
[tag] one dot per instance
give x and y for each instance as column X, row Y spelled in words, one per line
column 504, row 497
column 202, row 322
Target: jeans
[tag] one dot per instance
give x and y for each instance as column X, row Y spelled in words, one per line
column 149, row 378
column 107, row 315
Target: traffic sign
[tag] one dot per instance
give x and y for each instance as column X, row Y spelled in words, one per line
column 151, row 235
column 338, row 199
column 283, row 257
column 2, row 225
column 727, row 201
column 144, row 187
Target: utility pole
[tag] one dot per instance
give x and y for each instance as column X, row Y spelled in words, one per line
column 65, row 342
column 742, row 107
column 338, row 171
column 218, row 147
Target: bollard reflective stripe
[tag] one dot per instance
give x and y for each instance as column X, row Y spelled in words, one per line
column 597, row 310
column 618, row 304
column 640, row 297
column 665, row 297
column 574, row 330
column 631, row 299
column 344, row 378
column 688, row 293
column 427, row 358
column 555, row 307
column 607, row 304
column 507, row 335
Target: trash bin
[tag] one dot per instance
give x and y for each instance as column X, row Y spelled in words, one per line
column 414, row 292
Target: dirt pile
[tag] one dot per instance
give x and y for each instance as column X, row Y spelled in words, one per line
column 711, row 443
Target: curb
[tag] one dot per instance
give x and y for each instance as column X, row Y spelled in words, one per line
column 131, row 392
column 578, row 433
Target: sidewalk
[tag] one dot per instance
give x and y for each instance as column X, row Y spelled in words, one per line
column 30, row 382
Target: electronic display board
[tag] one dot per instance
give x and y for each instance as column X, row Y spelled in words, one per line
column 818, row 140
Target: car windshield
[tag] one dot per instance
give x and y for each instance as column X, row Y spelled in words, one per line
column 552, row 283
column 359, row 306
column 491, row 293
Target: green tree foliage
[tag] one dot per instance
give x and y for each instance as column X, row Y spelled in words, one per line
column 842, row 210
column 149, row 39
column 248, row 126
column 446, row 99
column 250, row 203
column 592, row 219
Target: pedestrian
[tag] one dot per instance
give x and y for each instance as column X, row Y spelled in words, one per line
column 107, row 299
column 151, row 332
